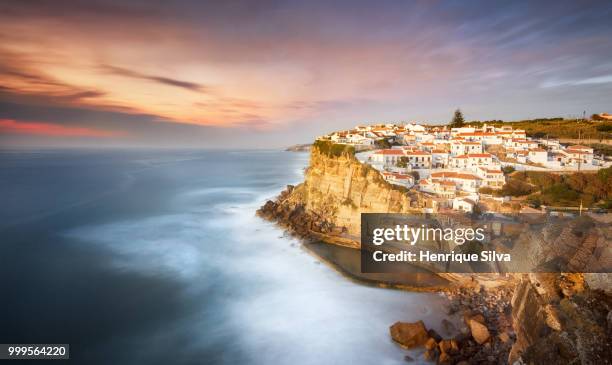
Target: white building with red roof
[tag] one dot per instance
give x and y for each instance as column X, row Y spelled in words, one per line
column 388, row 157
column 463, row 147
column 471, row 160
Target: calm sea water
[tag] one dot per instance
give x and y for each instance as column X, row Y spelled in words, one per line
column 156, row 257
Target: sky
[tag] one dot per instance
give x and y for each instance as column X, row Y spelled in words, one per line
column 258, row 74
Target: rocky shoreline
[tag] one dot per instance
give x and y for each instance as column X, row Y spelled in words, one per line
column 486, row 333
column 527, row 319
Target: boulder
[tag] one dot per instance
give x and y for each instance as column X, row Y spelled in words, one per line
column 409, row 335
column 504, row 337
column 480, row 332
column 431, row 343
column 432, row 355
column 433, row 334
column 449, row 346
column 444, row 359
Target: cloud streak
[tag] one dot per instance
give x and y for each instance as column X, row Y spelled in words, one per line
column 192, row 86
column 10, row 126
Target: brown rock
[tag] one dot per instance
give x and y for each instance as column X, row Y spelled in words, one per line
column 431, row 343
column 432, row 333
column 431, row 355
column 504, row 337
column 444, row 359
column 480, row 332
column 469, row 315
column 409, row 335
column 449, row 346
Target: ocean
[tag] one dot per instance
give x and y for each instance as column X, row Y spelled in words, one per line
column 157, row 257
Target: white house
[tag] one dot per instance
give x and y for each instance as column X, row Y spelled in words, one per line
column 419, row 159
column 464, row 204
column 471, row 160
column 579, row 155
column 493, row 178
column 398, row 179
column 465, row 147
column 439, row 158
column 387, row 157
column 537, row 155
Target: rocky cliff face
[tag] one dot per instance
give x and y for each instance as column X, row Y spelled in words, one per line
column 558, row 319
column 336, row 190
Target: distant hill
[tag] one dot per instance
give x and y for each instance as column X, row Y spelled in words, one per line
column 558, row 128
column 299, row 147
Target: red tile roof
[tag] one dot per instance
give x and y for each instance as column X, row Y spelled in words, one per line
column 389, row 152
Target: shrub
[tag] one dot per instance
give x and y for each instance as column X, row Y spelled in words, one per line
column 333, row 149
column 485, row 190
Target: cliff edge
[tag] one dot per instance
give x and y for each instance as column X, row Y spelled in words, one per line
column 336, row 190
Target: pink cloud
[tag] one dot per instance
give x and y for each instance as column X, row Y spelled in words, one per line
column 53, row 130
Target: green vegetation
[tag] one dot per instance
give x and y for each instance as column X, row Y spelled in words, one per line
column 458, row 120
column 402, row 162
column 557, row 127
column 601, row 149
column 382, row 143
column 592, row 189
column 333, row 149
column 507, row 170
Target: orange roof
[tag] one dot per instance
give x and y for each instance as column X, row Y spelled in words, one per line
column 475, row 155
column 491, row 171
column 466, row 177
column 389, row 152
column 467, row 134
column 417, row 153
column 443, row 174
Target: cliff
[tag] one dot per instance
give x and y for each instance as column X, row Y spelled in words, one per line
column 559, row 319
column 336, row 190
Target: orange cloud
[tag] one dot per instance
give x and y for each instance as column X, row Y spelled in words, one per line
column 53, row 130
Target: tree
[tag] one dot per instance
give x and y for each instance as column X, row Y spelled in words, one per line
column 402, row 162
column 458, row 120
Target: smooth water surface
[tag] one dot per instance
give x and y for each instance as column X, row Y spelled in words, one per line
column 157, row 257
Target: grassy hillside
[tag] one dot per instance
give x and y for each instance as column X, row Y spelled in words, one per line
column 592, row 189
column 558, row 128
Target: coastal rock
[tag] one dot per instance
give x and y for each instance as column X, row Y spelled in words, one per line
column 504, row 337
column 433, row 334
column 444, row 359
column 449, row 346
column 480, row 333
column 409, row 335
column 432, row 355
column 431, row 344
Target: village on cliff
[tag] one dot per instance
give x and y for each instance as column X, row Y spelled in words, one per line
column 459, row 168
